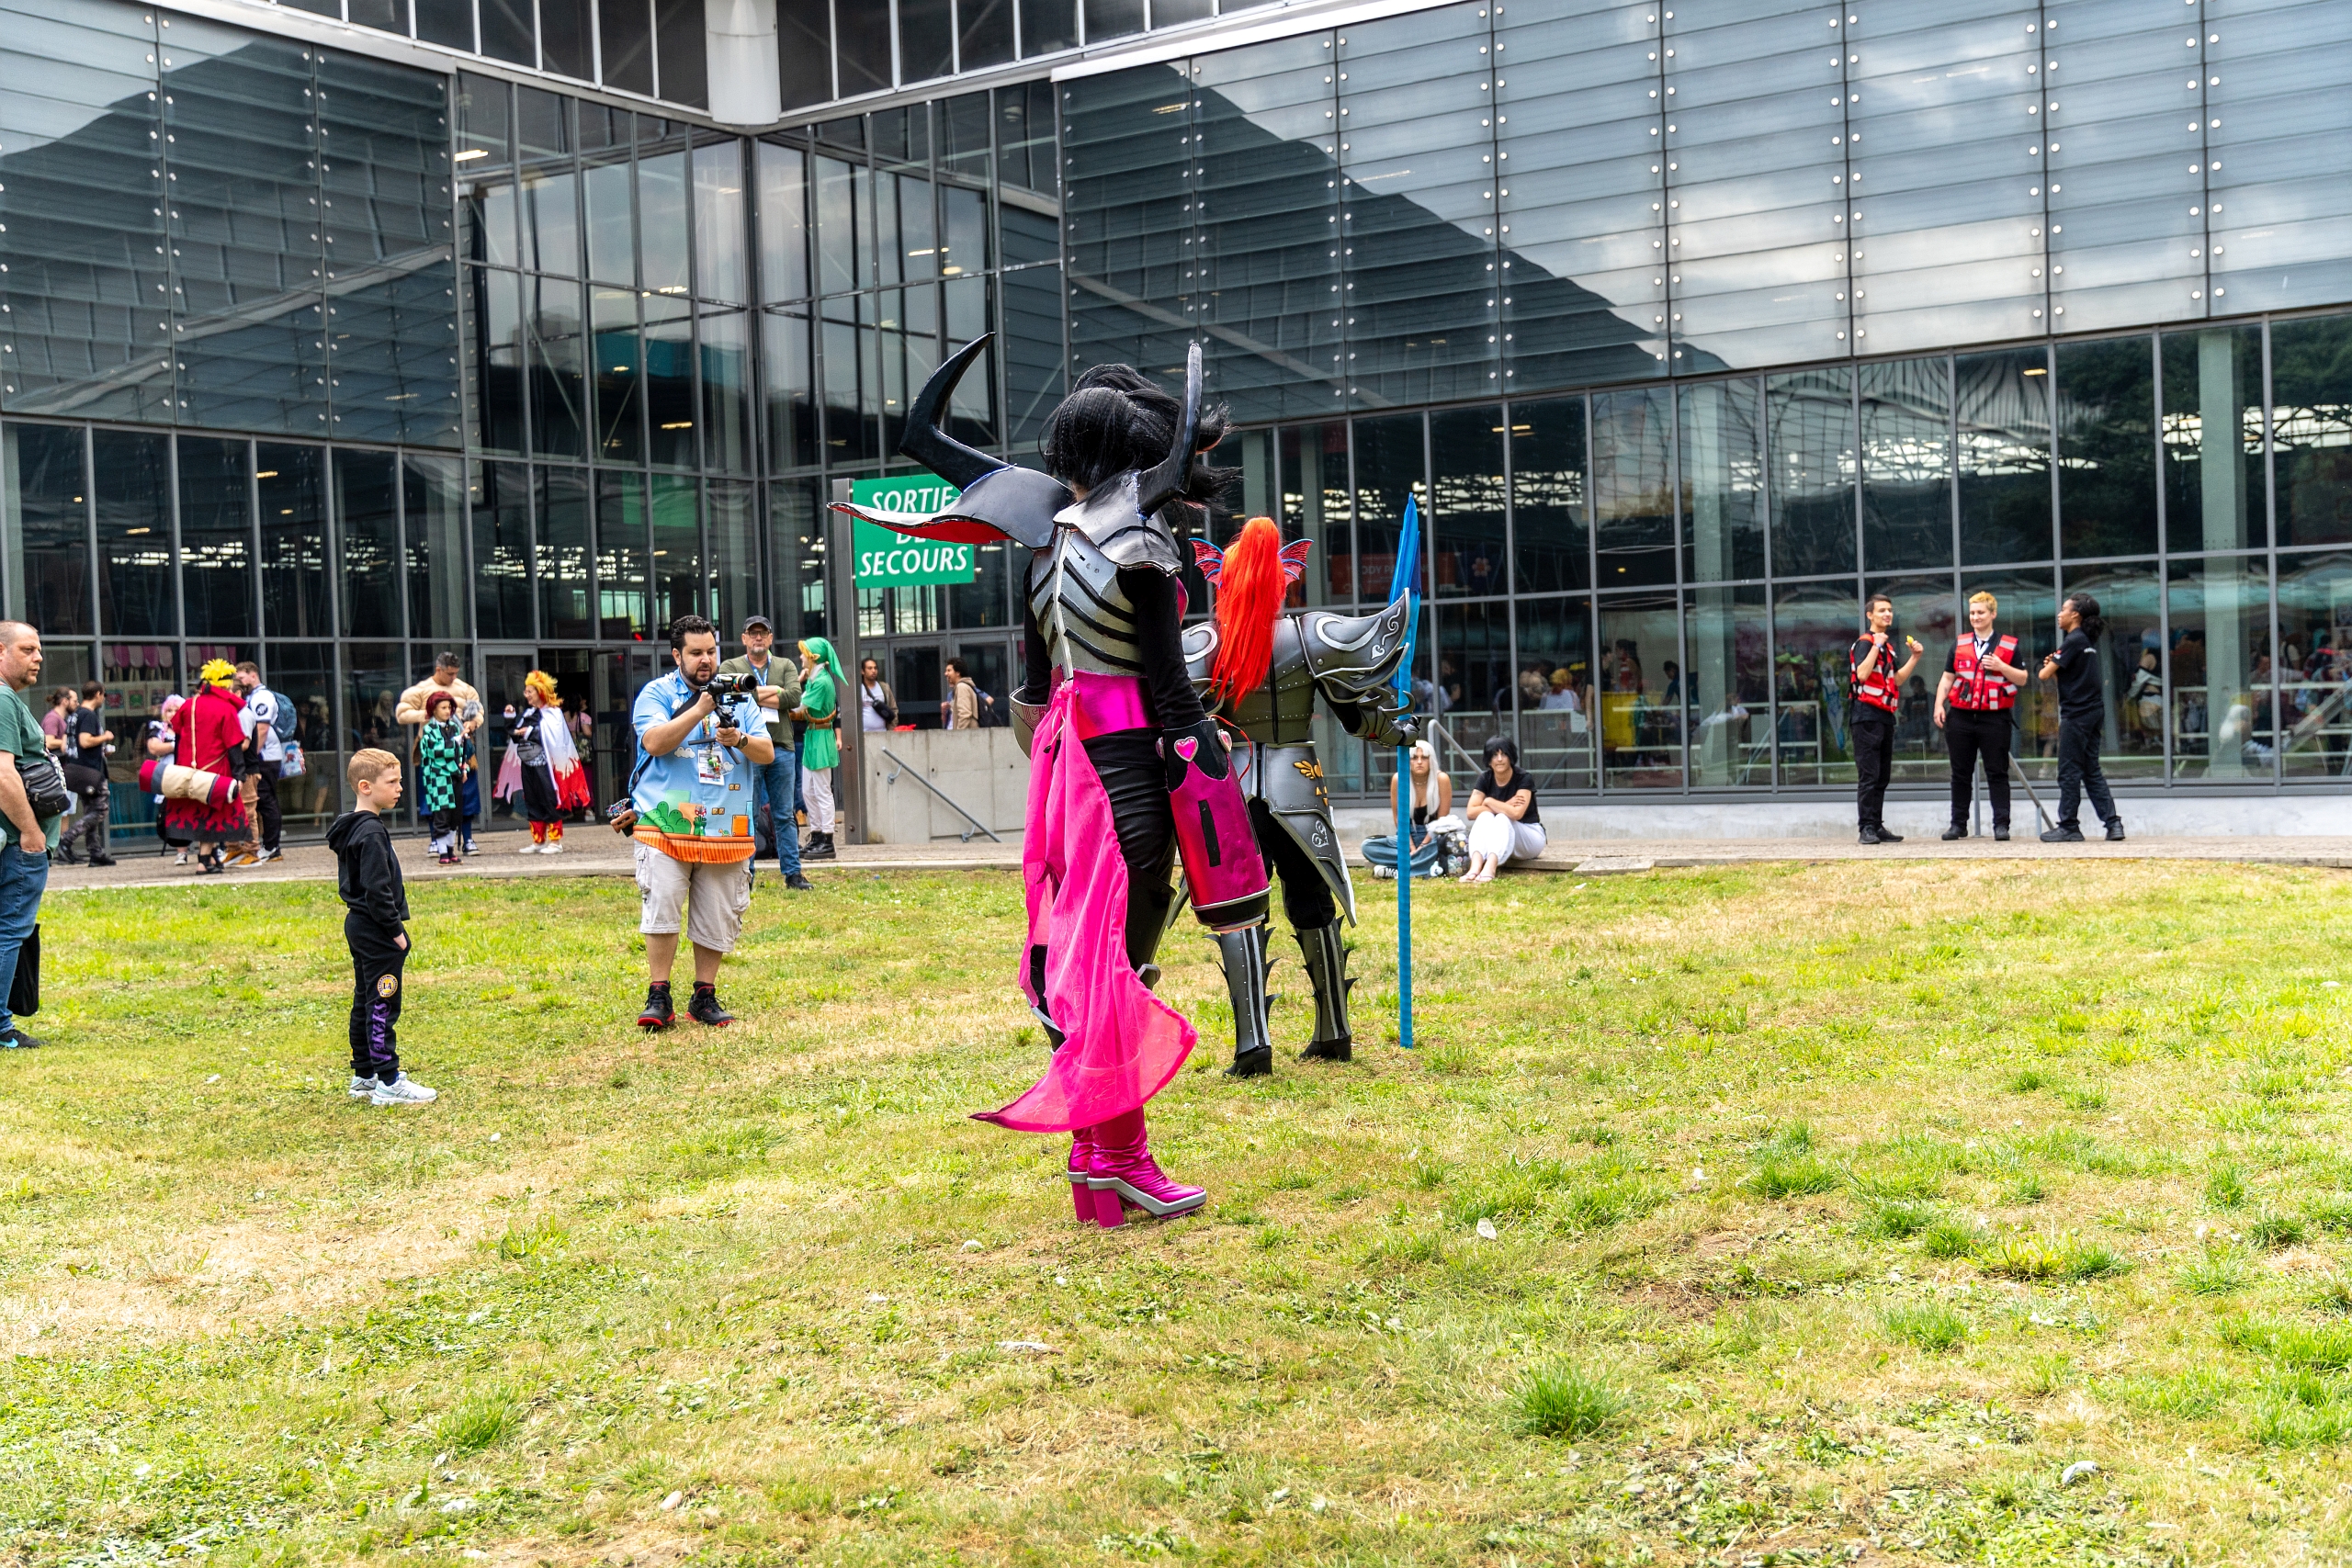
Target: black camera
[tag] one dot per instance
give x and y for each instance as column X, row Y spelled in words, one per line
column 733, row 687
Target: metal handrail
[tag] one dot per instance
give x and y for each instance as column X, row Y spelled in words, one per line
column 910, row 770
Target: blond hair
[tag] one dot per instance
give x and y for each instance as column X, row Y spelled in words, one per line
column 1981, row 597
column 369, row 764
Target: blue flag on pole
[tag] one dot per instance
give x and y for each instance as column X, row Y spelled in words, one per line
column 1406, row 578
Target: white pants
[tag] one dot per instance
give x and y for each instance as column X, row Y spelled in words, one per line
column 1496, row 834
column 817, row 789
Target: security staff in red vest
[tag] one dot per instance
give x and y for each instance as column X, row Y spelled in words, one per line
column 1878, row 696
column 1975, row 707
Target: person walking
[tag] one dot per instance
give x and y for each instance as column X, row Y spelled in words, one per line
column 375, row 927
column 2082, row 722
column 440, row 757
column 57, row 724
column 24, row 833
column 694, row 749
column 85, row 774
column 1878, row 698
column 554, row 784
column 777, row 782
column 1504, row 824
column 274, row 724
column 821, row 749
column 213, row 731
column 962, row 708
column 1975, row 707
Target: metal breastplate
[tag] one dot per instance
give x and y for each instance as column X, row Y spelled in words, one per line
column 1087, row 619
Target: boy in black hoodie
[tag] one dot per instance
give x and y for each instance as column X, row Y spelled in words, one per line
column 367, row 874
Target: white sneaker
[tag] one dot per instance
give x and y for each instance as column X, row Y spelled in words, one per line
column 528, row 849
column 361, row 1087
column 553, row 849
column 183, row 859
column 402, row 1090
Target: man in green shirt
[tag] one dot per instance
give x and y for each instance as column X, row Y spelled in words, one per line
column 24, row 838
column 779, row 693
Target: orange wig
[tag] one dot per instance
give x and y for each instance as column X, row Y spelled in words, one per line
column 1249, row 594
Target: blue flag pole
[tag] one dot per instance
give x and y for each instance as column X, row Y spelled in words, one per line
column 1409, row 549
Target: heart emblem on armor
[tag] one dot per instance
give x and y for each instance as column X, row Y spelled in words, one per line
column 1187, row 747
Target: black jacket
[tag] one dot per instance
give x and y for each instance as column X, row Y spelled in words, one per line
column 368, row 874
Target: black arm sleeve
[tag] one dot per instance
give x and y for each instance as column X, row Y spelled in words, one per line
column 379, row 883
column 1036, row 669
column 1160, row 633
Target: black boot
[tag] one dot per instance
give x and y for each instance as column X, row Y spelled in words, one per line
column 819, row 847
column 1243, row 955
column 656, row 1012
column 1957, row 830
column 2115, row 830
column 704, row 1007
column 1325, row 950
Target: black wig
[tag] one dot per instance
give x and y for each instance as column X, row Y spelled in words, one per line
column 1116, row 418
column 1500, row 746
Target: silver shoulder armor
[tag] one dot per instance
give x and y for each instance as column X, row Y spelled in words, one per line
column 1354, row 659
column 1200, row 656
column 1109, row 519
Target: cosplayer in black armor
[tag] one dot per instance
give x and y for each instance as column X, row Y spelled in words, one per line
column 1350, row 662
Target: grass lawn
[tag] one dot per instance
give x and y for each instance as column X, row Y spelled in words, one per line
column 1965, row 1212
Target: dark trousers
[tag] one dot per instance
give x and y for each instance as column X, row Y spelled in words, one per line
column 1874, row 763
column 376, row 985
column 1307, row 898
column 91, row 809
column 1970, row 733
column 265, row 811
column 2079, row 771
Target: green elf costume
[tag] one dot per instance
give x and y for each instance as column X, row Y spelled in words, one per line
column 820, row 749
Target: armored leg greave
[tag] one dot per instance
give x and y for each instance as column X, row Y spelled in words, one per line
column 1243, row 953
column 1326, row 951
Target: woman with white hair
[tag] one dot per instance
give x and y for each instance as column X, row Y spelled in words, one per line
column 1504, row 823
column 1432, row 798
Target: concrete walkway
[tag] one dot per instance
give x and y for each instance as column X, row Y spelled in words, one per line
column 597, row 851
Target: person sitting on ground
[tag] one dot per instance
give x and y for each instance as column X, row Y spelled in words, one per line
column 1432, row 798
column 1504, row 824
column 368, row 876
column 440, row 755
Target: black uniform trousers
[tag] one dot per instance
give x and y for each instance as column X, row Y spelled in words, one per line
column 1873, row 763
column 375, row 986
column 266, row 811
column 1970, row 733
column 1306, row 897
column 2078, row 770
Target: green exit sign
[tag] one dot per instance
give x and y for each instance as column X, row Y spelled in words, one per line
column 885, row 558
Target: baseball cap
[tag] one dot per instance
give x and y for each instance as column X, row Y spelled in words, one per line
column 760, row 621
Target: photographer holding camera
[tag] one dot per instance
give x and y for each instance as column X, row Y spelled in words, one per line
column 701, row 735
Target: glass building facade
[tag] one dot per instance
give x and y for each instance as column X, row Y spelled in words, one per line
column 354, row 333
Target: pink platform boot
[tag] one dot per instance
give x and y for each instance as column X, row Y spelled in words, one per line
column 1123, row 1173
column 1081, row 1166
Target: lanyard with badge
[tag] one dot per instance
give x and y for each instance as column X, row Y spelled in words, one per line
column 711, row 759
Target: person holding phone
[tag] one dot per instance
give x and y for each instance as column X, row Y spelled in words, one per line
column 1878, row 697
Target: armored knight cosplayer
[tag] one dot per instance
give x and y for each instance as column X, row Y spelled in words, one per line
column 1129, row 773
column 1259, row 668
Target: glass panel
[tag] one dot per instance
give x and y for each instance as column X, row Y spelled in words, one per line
column 566, row 600
column 506, row 27
column 849, row 375
column 795, row 510
column 1113, row 18
column 551, row 221
column 2106, row 477
column 784, row 222
column 670, row 380
column 984, row 601
column 621, row 592
column 2311, row 392
column 1473, row 672
column 963, row 242
column 303, row 676
column 971, row 413
column 558, row 368
column 2131, row 667
column 2274, row 119
column 1555, row 734
column 486, row 206
column 1813, row 627
column 378, row 676
column 626, row 34
column 1469, row 554
column 1812, row 415
column 1551, row 535
column 2004, row 412
column 1641, row 721
column 661, row 221
column 1907, row 465
column 1027, row 156
column 677, row 550
column 909, row 343
column 2315, row 665
column 621, row 414
column 1925, row 608
column 683, row 47
column 988, row 32
column 2028, row 612
column 434, row 508
column 566, row 38
column 485, row 121
column 495, row 354
column 2213, row 380
column 216, row 537
column 964, row 132
column 789, row 392
column 44, row 505
column 1728, row 696
column 446, row 22
column 727, row 391
column 1033, row 351
column 1048, row 25
column 501, row 567
column 841, row 227
column 368, row 522
column 612, row 253
column 1316, row 506
column 862, row 58
column 2219, row 617
column 1723, row 481
column 134, row 506
column 1129, row 178
column 805, row 51
column 384, row 15
column 1389, row 469
column 734, row 556
column 721, row 266
column 1632, row 502
column 926, row 38
column 294, row 573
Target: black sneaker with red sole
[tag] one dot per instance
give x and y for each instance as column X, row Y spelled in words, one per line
column 704, row 1008
column 657, row 1014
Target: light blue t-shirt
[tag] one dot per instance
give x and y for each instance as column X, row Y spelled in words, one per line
column 700, row 771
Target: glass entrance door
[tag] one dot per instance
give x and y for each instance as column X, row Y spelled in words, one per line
column 503, row 666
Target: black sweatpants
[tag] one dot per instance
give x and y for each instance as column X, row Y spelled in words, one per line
column 1307, row 898
column 2078, row 770
column 265, row 811
column 1874, row 763
column 376, row 983
column 1970, row 733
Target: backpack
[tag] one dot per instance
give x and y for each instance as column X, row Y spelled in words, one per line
column 991, row 711
column 281, row 715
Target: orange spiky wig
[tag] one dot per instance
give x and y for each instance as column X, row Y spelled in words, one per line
column 1251, row 576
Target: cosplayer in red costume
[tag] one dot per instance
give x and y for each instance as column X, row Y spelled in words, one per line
column 212, row 736
column 1129, row 773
